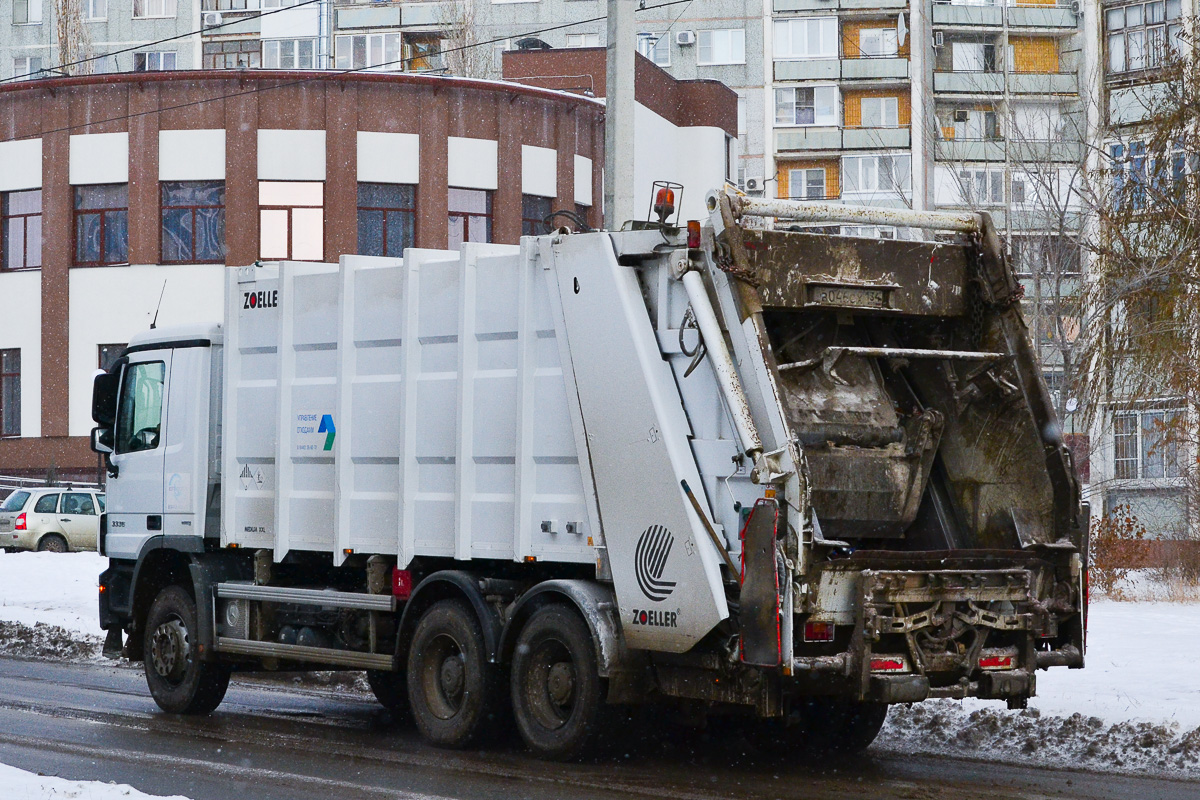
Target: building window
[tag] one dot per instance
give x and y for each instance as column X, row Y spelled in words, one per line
column 878, row 43
column 231, row 55
column 96, row 9
column 880, row 112
column 972, row 124
column 289, row 53
column 806, row 184
column 806, row 105
column 10, row 392
column 101, row 225
column 27, row 12
column 1143, row 446
column 193, row 222
column 721, row 47
column 974, row 57
column 655, row 48
column 470, row 216
column 583, row 40
column 534, row 212
column 107, row 355
column 890, row 174
column 22, row 230
column 291, row 220
column 153, row 8
column 27, row 67
column 812, row 37
column 423, row 51
column 369, row 51
column 982, row 187
column 387, row 214
column 153, row 62
column 1142, row 35
column 276, row 3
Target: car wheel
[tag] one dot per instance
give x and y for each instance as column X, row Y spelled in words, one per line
column 52, row 543
column 557, row 693
column 452, row 689
column 179, row 681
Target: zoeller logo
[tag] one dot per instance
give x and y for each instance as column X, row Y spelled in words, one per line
column 649, row 561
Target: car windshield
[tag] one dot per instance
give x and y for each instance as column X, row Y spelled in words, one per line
column 15, row 501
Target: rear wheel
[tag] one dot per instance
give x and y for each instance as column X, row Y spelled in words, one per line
column 52, row 543
column 451, row 688
column 179, row 681
column 557, row 692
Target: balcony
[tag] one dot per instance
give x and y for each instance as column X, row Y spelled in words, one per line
column 970, row 150
column 782, row 6
column 850, row 69
column 1033, row 151
column 1043, row 83
column 826, row 138
column 1061, row 17
column 969, row 82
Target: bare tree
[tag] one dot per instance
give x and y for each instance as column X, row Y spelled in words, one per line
column 74, row 43
column 463, row 53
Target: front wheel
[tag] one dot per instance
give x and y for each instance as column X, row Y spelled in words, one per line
column 179, row 681
column 557, row 693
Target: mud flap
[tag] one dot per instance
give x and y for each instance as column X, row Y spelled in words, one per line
column 760, row 643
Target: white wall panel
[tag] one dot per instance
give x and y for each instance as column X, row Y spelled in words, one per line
column 21, row 327
column 285, row 155
column 583, row 180
column 99, row 158
column 539, row 171
column 472, row 163
column 294, row 23
column 20, row 165
column 110, row 304
column 389, row 157
column 197, row 155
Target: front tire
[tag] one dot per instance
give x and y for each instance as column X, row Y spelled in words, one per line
column 179, row 681
column 451, row 688
column 557, row 693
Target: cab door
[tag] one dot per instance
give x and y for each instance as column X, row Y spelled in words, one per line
column 135, row 495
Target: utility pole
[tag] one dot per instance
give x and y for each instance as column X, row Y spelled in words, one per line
column 74, row 44
column 618, row 115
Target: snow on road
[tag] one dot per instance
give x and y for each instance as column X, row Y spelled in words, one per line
column 1135, row 706
column 21, row 785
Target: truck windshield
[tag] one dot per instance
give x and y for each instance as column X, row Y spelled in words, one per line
column 15, row 501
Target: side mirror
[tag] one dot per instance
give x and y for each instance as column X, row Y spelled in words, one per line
column 104, row 398
column 102, row 440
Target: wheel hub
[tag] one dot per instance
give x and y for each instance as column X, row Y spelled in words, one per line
column 169, row 649
column 452, row 676
column 560, row 682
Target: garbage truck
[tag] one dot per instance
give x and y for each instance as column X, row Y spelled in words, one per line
column 744, row 467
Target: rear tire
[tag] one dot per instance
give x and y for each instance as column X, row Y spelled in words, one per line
column 179, row 681
column 389, row 690
column 52, row 543
column 451, row 686
column 558, row 696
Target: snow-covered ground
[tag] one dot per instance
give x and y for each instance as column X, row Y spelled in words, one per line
column 20, row 785
column 1135, row 706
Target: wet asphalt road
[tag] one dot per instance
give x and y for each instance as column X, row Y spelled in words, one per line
column 97, row 722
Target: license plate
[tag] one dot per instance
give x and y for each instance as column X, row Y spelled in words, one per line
column 5, row 525
column 847, row 296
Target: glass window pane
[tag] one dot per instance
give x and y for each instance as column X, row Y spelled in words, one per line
column 139, row 412
column 1115, row 18
column 176, row 234
column 14, row 243
column 25, row 202
column 210, row 234
column 370, row 232
column 472, row 201
column 399, row 232
column 273, row 233
column 308, row 234
column 116, row 237
column 87, row 238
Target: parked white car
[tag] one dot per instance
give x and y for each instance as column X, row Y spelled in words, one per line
column 54, row 519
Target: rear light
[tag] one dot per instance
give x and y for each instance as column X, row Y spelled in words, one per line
column 818, row 631
column 20, row 524
column 889, row 664
column 402, row 584
column 693, row 241
column 996, row 662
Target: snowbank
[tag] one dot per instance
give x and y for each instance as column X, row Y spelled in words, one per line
column 18, row 784
column 52, row 588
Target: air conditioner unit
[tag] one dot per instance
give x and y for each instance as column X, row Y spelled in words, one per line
column 961, row 115
column 754, row 184
column 684, row 38
column 212, row 19
column 939, row 38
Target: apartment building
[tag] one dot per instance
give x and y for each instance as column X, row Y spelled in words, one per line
column 1134, row 464
column 108, row 36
